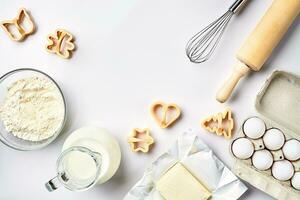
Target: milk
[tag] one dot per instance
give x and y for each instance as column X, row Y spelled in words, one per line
column 81, row 165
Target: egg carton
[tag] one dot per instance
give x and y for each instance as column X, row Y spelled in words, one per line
column 278, row 105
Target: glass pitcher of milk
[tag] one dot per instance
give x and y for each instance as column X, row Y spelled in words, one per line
column 90, row 156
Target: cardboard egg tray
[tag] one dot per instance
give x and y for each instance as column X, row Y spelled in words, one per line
column 278, row 104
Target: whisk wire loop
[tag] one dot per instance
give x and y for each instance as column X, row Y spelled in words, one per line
column 201, row 46
column 207, row 40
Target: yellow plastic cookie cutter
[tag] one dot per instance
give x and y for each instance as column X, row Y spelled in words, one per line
column 17, row 23
column 62, row 43
column 164, row 119
column 140, row 140
column 222, row 123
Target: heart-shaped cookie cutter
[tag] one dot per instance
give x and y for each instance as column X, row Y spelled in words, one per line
column 17, row 23
column 166, row 108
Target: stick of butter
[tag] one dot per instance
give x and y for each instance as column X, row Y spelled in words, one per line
column 179, row 184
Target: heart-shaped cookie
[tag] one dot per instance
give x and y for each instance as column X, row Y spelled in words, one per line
column 165, row 114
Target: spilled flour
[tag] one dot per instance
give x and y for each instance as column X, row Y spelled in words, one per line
column 33, row 109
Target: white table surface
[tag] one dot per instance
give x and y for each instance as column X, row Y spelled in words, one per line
column 131, row 53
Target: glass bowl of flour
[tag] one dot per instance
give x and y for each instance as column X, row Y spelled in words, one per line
column 32, row 109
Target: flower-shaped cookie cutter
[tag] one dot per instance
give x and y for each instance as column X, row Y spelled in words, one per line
column 62, row 43
column 18, row 23
column 221, row 123
column 140, row 140
column 165, row 118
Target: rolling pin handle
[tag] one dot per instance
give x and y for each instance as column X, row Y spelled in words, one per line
column 224, row 93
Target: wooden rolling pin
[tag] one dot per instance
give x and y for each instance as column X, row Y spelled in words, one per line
column 261, row 42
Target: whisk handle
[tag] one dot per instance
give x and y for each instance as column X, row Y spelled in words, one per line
column 235, row 7
column 224, row 93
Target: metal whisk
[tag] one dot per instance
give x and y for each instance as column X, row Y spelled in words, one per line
column 201, row 46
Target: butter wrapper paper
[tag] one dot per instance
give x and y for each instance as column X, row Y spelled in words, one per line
column 199, row 159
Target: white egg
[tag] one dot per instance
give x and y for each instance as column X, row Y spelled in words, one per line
column 273, row 139
column 242, row 148
column 283, row 170
column 296, row 181
column 291, row 150
column 254, row 127
column 262, row 160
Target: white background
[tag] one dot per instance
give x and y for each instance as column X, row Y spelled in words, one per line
column 131, row 53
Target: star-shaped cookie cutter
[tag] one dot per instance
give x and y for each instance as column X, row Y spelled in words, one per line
column 140, row 140
column 221, row 123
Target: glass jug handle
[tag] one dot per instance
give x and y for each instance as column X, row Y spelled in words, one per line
column 53, row 184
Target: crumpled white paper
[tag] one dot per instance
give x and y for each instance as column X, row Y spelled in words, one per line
column 200, row 161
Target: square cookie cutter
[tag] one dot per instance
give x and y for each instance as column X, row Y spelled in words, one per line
column 278, row 104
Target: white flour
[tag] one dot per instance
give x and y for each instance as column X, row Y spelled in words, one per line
column 33, row 109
